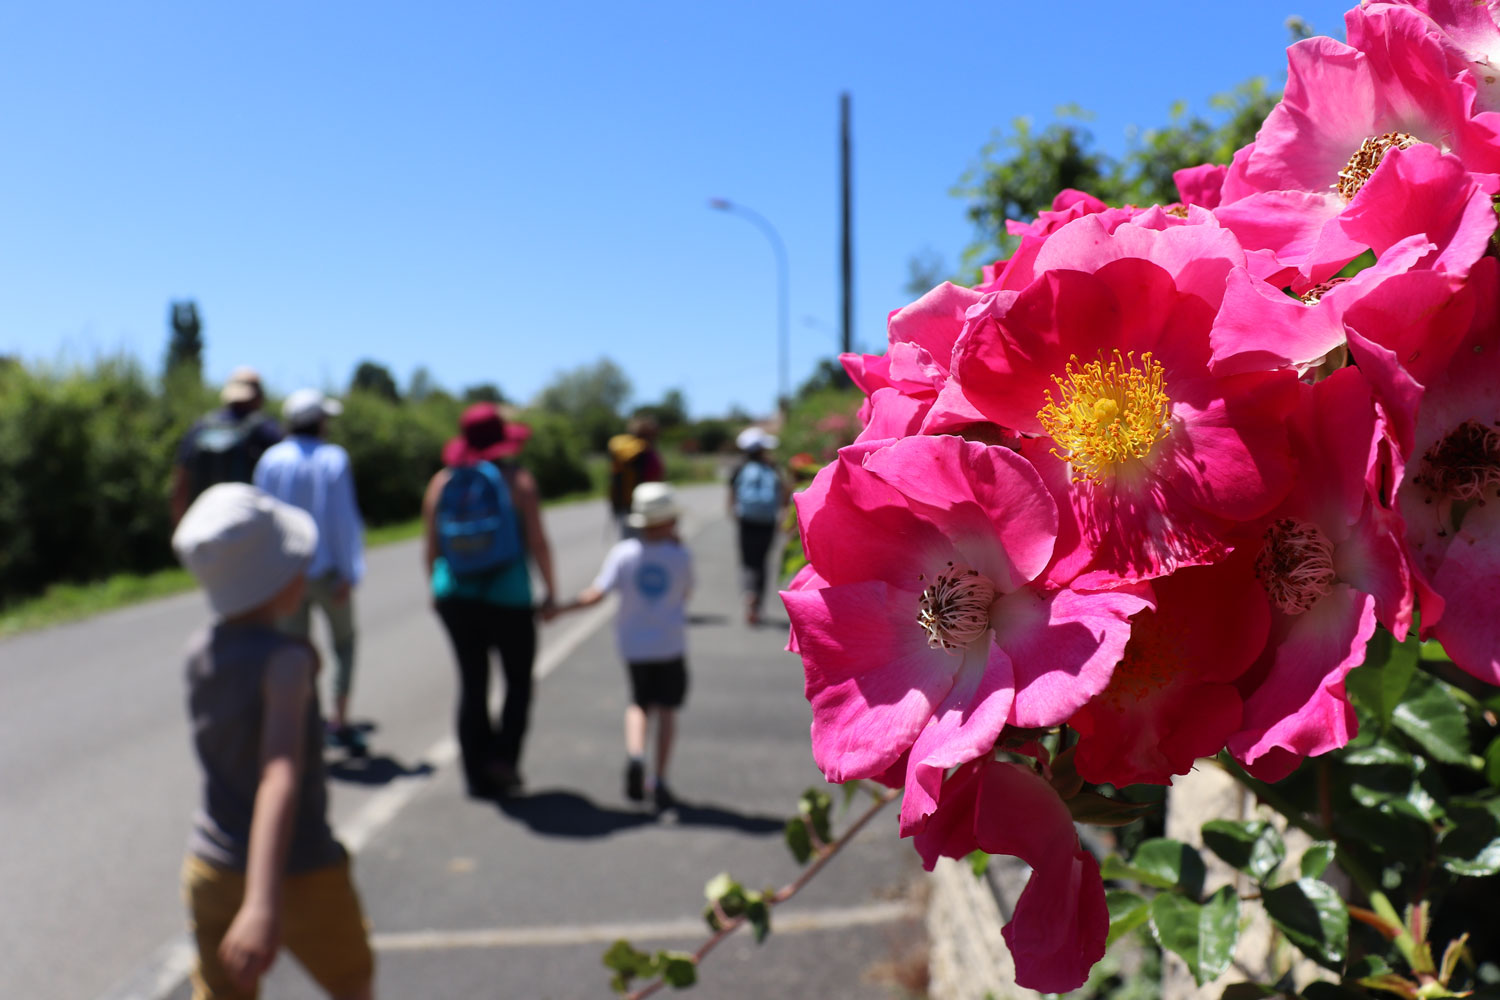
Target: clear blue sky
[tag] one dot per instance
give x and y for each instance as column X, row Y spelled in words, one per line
column 502, row 191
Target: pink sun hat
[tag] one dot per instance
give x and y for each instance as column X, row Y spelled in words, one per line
column 484, row 435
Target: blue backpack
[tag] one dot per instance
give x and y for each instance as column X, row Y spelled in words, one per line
column 477, row 527
column 756, row 492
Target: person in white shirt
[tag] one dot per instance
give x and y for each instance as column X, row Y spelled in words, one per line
column 308, row 472
column 653, row 574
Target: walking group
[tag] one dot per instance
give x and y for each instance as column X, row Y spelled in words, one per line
column 270, row 527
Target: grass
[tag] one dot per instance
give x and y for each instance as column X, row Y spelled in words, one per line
column 69, row 602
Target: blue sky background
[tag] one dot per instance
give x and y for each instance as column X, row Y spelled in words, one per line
column 499, row 192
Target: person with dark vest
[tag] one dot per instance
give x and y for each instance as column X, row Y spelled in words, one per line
column 225, row 445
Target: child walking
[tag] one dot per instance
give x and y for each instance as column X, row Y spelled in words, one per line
column 263, row 868
column 654, row 576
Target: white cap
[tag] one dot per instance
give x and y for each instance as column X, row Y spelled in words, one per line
column 305, row 406
column 753, row 437
column 243, row 545
column 652, row 504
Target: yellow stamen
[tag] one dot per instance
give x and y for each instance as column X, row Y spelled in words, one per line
column 1106, row 414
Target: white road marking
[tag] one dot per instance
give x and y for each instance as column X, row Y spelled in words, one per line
column 662, row 930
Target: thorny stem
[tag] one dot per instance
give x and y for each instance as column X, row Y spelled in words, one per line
column 882, row 799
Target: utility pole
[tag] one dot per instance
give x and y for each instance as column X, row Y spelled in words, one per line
column 848, row 243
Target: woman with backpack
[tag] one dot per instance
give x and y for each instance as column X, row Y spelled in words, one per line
column 482, row 526
column 756, row 498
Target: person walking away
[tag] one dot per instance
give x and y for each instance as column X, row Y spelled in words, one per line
column 263, row 869
column 757, row 497
column 481, row 522
column 654, row 576
column 223, row 446
column 633, row 459
column 307, row 471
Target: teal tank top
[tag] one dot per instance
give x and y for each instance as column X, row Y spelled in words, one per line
column 509, row 586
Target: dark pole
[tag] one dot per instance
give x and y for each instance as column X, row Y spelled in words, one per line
column 848, row 246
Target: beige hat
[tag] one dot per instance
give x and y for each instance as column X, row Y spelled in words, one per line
column 243, row 545
column 652, row 504
column 243, row 385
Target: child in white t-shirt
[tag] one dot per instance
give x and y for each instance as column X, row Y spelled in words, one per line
column 653, row 574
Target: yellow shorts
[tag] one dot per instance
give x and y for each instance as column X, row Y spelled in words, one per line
column 322, row 925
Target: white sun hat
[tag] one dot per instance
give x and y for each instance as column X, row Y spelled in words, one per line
column 754, row 437
column 308, row 405
column 243, row 545
column 652, row 504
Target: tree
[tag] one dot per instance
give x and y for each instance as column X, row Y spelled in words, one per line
column 670, row 412
column 592, row 397
column 185, row 344
column 829, row 374
column 422, row 385
column 1019, row 172
column 484, row 392
column 376, row 379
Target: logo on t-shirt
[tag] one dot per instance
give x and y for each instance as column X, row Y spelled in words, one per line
column 652, row 581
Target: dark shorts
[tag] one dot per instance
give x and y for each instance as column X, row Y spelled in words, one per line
column 659, row 682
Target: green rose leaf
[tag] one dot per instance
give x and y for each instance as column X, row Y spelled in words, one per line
column 798, row 841
column 1252, row 846
column 1317, row 858
column 1127, row 911
column 1169, row 864
column 1433, row 715
column 1313, row 917
column 1332, row 991
column 1377, row 686
column 626, row 963
column 1203, row 935
column 1247, row 991
column 1492, row 763
column 979, row 863
column 758, row 913
column 814, row 807
column 1471, row 847
column 678, row 970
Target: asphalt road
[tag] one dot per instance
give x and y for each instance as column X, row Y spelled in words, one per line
column 466, row 900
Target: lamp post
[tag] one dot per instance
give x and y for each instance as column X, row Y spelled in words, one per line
column 782, row 337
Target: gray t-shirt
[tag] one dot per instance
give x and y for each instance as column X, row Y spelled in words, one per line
column 226, row 669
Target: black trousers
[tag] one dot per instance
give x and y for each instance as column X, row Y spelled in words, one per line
column 755, row 548
column 475, row 628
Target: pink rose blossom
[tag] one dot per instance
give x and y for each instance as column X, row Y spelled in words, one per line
column 1104, row 358
column 1330, row 563
column 927, row 638
column 1172, row 699
column 1060, row 923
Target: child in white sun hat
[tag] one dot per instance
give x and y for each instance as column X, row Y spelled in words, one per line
column 653, row 574
column 263, row 868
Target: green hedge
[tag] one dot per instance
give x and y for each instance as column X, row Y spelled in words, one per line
column 86, row 457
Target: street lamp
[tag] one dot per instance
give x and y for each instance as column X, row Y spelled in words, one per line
column 783, row 392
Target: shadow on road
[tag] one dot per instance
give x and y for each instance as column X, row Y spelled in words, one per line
column 380, row 770
column 560, row 813
column 707, row 619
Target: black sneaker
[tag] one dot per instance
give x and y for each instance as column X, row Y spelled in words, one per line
column 635, row 781
column 664, row 798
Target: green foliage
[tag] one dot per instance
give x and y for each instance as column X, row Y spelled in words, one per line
column 1203, row 934
column 809, row 831
column 1313, row 917
column 85, row 460
column 1020, row 171
column 376, row 379
column 677, row 969
column 484, row 392
column 554, row 454
column 592, row 396
column 185, row 344
column 1254, row 847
